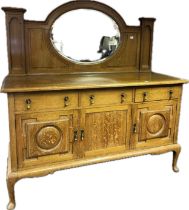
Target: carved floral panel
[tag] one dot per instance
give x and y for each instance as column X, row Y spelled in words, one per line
column 47, row 137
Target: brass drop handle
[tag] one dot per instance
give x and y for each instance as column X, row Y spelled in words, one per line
column 123, row 97
column 28, row 104
column 170, row 94
column 82, row 135
column 66, row 101
column 75, row 135
column 135, row 128
column 91, row 99
column 145, row 95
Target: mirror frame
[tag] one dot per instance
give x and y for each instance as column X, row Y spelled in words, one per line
column 85, row 4
column 99, row 56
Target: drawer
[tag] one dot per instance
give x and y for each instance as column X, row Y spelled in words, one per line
column 46, row 101
column 105, row 97
column 157, row 93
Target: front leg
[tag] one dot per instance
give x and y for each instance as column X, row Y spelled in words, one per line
column 176, row 153
column 10, row 186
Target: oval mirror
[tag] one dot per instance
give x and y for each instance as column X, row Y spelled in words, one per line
column 85, row 36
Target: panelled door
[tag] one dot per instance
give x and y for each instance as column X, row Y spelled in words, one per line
column 154, row 124
column 45, row 137
column 105, row 130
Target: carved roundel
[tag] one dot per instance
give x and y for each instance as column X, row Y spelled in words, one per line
column 156, row 123
column 48, row 137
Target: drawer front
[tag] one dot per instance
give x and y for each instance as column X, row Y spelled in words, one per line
column 94, row 98
column 157, row 93
column 46, row 101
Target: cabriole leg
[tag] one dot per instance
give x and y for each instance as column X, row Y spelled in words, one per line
column 10, row 185
column 176, row 153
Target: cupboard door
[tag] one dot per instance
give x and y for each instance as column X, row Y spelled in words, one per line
column 155, row 124
column 105, row 130
column 44, row 137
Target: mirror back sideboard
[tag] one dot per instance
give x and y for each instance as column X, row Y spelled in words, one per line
column 65, row 114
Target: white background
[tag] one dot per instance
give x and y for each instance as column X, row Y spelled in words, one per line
column 137, row 183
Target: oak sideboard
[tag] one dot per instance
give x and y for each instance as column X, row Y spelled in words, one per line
column 67, row 112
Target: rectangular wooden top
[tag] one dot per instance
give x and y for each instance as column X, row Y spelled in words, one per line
column 28, row 83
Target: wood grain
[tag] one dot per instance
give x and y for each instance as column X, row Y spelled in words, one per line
column 85, row 81
column 64, row 115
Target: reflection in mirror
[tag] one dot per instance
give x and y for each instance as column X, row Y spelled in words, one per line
column 85, row 36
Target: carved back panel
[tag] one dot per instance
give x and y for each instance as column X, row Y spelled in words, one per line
column 30, row 50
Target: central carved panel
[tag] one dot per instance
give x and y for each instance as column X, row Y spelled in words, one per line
column 48, row 137
column 155, row 123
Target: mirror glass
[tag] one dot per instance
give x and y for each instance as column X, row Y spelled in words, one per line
column 85, row 36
